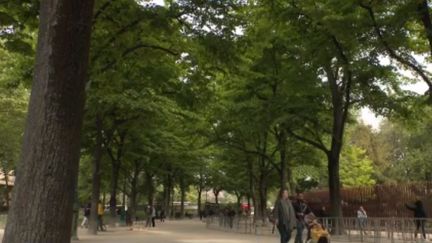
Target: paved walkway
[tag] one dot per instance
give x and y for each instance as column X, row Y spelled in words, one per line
column 187, row 231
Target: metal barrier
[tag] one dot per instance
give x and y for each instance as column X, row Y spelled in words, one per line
column 371, row 230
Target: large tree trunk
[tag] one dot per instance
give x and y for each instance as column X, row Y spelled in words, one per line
column 44, row 191
column 333, row 160
column 134, row 190
column 150, row 187
column 291, row 183
column 261, row 208
column 115, row 173
column 424, row 15
column 173, row 210
column 133, row 199
column 216, row 194
column 199, row 201
column 251, row 185
column 7, row 198
column 283, row 161
column 334, row 184
column 167, row 195
column 341, row 103
column 96, row 177
column 239, row 199
column 182, row 196
column 116, row 162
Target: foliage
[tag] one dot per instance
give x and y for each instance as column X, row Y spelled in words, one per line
column 240, row 96
column 356, row 168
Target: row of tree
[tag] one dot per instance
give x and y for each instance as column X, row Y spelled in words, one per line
column 243, row 97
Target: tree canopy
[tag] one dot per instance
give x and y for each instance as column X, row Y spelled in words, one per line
column 235, row 97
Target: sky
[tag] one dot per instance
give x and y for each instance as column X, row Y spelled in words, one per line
column 420, row 87
column 158, row 2
column 370, row 118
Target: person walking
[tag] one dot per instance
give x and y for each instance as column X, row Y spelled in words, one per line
column 284, row 216
column 87, row 210
column 419, row 217
column 301, row 210
column 162, row 215
column 149, row 216
column 362, row 219
column 153, row 216
column 323, row 216
column 101, row 211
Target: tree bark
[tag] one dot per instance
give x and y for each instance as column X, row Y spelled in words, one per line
column 168, row 188
column 96, row 177
column 334, row 154
column 424, row 15
column 251, row 185
column 44, row 191
column 115, row 172
column 341, row 101
column 199, row 201
column 116, row 162
column 134, row 190
column 283, row 161
column 133, row 199
column 200, row 188
column 261, row 208
column 216, row 194
column 182, row 196
column 7, row 198
column 150, row 187
column 239, row 198
column 173, row 211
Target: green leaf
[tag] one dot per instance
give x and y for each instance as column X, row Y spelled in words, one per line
column 19, row 46
column 6, row 19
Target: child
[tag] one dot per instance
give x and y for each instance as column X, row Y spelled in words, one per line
column 318, row 233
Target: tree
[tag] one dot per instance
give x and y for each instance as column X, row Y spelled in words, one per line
column 48, row 168
column 13, row 104
column 356, row 168
column 402, row 34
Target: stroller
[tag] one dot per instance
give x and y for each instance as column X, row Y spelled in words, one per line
column 317, row 233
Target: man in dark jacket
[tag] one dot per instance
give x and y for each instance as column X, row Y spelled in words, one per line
column 301, row 210
column 284, row 216
column 419, row 217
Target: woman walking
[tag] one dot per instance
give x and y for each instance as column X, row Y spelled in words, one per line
column 419, row 217
column 284, row 216
column 362, row 219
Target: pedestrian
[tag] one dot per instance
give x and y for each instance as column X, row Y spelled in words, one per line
column 322, row 212
column 201, row 214
column 231, row 216
column 149, row 216
column 323, row 216
column 419, row 217
column 87, row 210
column 128, row 218
column 284, row 216
column 301, row 210
column 101, row 211
column 162, row 215
column 153, row 216
column 362, row 219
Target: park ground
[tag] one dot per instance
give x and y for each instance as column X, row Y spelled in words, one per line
column 185, row 231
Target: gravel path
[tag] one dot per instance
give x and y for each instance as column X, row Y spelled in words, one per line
column 190, row 231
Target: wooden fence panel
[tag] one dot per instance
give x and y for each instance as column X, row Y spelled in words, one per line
column 379, row 200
